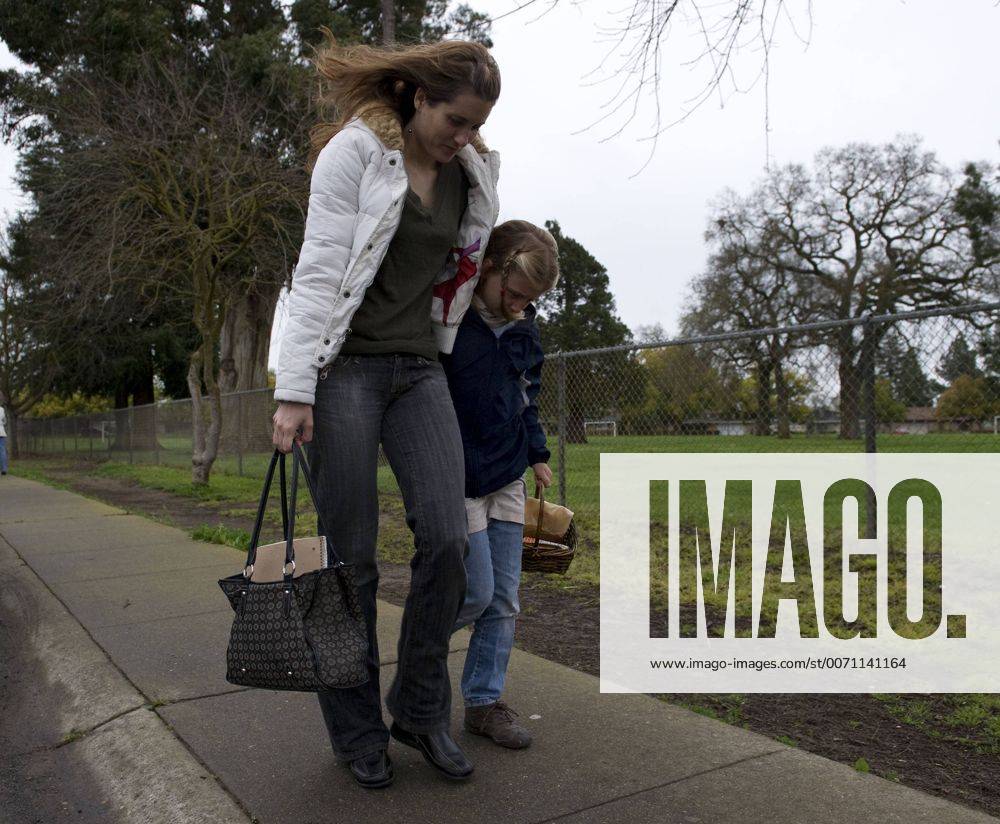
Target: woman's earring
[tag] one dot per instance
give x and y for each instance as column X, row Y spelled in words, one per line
column 409, row 130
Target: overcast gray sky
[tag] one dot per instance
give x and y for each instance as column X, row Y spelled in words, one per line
column 871, row 70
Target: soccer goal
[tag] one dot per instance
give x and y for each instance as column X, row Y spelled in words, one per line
column 601, row 428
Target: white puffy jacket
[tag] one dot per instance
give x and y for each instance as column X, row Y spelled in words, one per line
column 355, row 205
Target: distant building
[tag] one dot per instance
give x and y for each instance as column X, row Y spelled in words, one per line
column 919, row 420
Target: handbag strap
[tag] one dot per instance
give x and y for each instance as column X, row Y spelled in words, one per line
column 299, row 458
column 540, row 494
column 284, row 498
column 288, row 568
column 287, row 510
column 259, row 520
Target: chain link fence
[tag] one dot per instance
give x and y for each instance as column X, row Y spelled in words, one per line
column 925, row 381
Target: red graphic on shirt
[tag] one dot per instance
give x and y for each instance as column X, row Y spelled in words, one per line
column 446, row 290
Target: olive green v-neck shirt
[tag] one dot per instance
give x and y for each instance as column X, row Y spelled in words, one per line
column 395, row 315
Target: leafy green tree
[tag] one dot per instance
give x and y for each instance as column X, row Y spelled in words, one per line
column 888, row 407
column 109, row 39
column 960, row 359
column 745, row 287
column 989, row 351
column 748, row 396
column 64, row 406
column 966, row 402
column 360, row 21
column 977, row 201
column 682, row 388
column 27, row 364
column 578, row 314
column 899, row 363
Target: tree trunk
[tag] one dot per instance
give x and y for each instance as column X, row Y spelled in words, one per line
column 245, row 343
column 388, row 23
column 781, row 401
column 850, row 399
column 576, row 432
column 850, row 385
column 206, row 437
column 762, row 423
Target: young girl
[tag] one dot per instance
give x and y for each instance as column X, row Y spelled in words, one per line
column 494, row 374
column 402, row 203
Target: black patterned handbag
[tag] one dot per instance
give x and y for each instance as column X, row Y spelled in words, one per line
column 300, row 632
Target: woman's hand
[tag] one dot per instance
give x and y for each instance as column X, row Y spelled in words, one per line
column 543, row 475
column 292, row 421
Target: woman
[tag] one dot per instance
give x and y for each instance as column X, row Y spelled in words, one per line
column 402, row 203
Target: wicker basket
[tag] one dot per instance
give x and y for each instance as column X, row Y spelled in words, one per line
column 545, row 551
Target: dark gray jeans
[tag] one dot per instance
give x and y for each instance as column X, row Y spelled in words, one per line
column 402, row 402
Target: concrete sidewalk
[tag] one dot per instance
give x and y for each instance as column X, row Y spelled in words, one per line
column 114, row 630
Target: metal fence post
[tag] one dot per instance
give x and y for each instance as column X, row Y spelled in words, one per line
column 239, row 434
column 131, row 428
column 562, row 430
column 868, row 384
column 868, row 352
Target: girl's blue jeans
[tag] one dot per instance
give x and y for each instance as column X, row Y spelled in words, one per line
column 493, row 572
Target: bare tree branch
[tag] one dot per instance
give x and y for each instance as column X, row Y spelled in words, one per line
column 166, row 184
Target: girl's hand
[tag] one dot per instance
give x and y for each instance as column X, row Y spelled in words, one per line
column 543, row 475
column 292, row 421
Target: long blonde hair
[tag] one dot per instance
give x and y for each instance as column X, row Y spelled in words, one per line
column 529, row 250
column 357, row 77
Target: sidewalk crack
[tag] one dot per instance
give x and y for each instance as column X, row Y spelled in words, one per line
column 699, row 774
column 174, row 701
column 77, row 735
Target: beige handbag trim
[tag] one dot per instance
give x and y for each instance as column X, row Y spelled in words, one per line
column 310, row 555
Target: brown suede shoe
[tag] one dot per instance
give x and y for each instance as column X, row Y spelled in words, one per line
column 496, row 721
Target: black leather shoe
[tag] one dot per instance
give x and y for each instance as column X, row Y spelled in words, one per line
column 373, row 770
column 438, row 750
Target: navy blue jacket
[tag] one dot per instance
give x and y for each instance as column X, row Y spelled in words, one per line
column 494, row 385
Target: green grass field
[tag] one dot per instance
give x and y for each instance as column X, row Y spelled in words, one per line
column 169, row 469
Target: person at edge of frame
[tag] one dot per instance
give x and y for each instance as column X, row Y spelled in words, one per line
column 494, row 374
column 3, row 441
column 402, row 203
